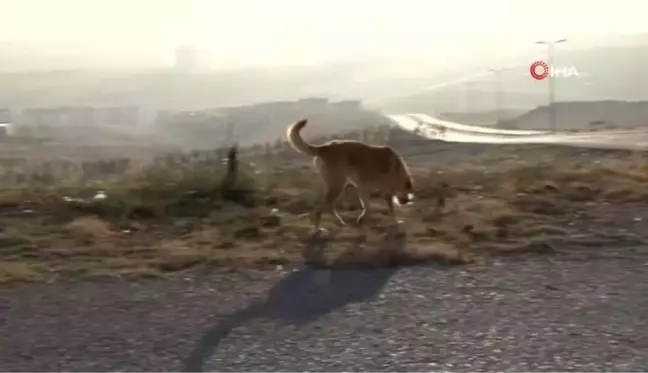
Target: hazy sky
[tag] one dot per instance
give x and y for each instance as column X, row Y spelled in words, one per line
column 280, row 32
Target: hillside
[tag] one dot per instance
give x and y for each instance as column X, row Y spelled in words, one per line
column 148, row 88
column 573, row 115
column 610, row 72
column 164, row 88
column 580, row 115
column 267, row 122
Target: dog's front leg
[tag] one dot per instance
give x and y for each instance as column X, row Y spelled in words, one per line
column 393, row 227
column 390, row 209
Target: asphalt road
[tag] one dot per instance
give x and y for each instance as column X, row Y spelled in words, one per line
column 428, row 127
column 586, row 310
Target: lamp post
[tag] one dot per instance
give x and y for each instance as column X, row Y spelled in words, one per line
column 550, row 58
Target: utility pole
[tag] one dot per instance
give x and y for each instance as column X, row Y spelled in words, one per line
column 550, row 58
column 497, row 89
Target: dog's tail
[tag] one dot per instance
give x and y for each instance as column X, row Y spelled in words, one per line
column 297, row 142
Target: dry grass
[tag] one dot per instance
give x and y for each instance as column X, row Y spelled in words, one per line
column 165, row 219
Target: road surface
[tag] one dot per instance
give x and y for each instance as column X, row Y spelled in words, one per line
column 436, row 129
column 540, row 313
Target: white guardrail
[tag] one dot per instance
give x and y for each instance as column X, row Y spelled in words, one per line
column 437, row 129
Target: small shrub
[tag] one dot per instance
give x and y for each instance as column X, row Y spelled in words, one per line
column 194, row 189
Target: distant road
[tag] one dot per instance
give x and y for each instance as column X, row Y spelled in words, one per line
column 437, row 129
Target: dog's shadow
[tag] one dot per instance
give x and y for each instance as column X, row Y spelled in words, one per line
column 303, row 296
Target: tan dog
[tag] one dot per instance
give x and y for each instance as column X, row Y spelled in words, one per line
column 370, row 168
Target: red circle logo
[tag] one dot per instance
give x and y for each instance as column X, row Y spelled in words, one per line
column 544, row 72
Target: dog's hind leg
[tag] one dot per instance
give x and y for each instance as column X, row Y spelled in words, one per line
column 335, row 195
column 334, row 185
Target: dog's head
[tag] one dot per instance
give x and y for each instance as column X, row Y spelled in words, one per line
column 404, row 194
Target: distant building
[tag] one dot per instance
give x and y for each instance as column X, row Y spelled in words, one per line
column 186, row 59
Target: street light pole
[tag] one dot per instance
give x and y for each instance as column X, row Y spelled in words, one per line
column 550, row 58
